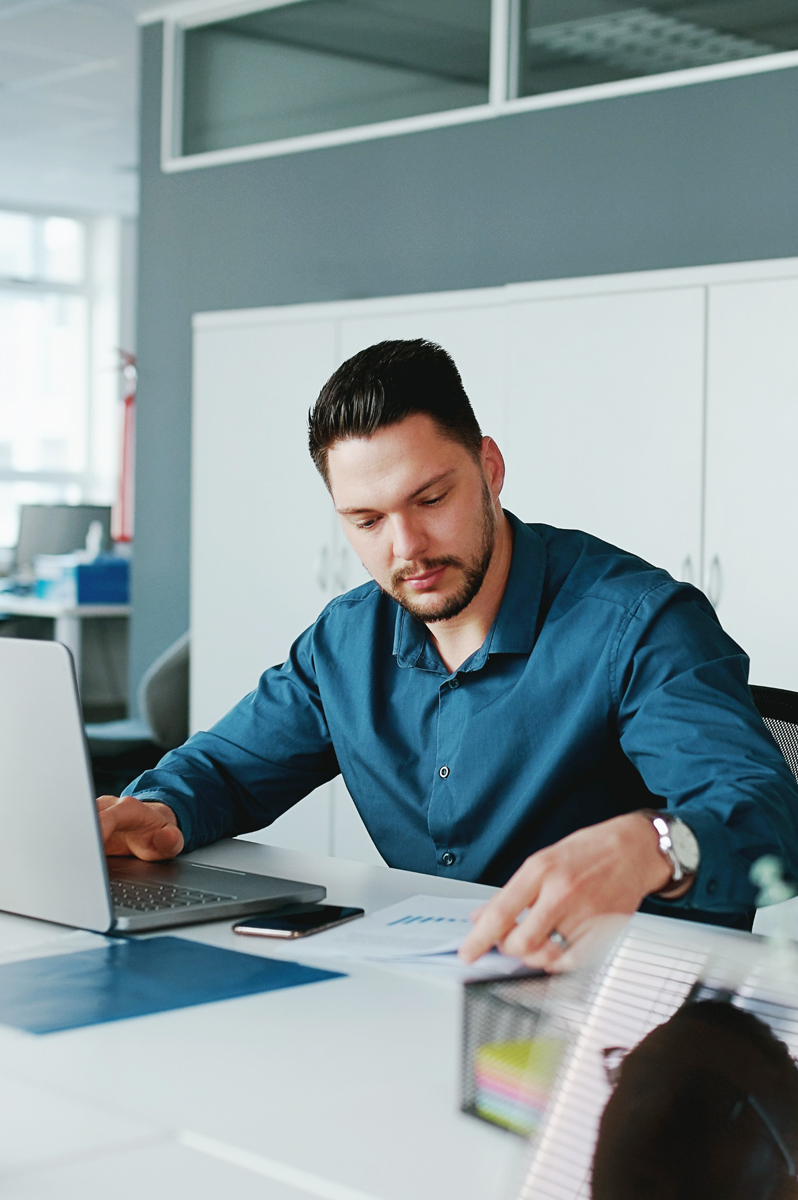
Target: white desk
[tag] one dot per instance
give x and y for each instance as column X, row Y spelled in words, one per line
column 346, row 1089
column 68, row 618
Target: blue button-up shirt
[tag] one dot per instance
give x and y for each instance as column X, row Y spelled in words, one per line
column 603, row 686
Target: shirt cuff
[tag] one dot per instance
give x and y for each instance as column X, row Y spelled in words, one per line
column 722, row 882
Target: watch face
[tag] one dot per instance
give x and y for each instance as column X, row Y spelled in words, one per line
column 685, row 845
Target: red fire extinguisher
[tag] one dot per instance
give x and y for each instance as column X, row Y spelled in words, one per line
column 122, row 527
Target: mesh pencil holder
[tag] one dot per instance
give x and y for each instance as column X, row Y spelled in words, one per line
column 515, row 1041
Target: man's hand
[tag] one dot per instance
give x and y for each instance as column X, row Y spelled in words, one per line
column 601, row 870
column 146, row 830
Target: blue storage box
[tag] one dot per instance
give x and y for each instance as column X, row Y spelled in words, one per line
column 106, row 580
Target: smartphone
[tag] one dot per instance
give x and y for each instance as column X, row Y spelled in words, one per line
column 297, row 920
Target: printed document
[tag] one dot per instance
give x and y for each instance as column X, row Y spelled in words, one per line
column 423, row 929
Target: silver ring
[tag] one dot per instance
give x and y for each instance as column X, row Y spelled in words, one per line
column 559, row 939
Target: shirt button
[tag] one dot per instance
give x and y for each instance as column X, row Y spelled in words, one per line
column 712, row 886
column 448, row 858
column 454, row 683
column 444, row 771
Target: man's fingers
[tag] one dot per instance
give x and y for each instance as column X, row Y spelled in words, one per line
column 588, row 941
column 126, row 814
column 546, row 956
column 553, row 910
column 117, row 820
column 108, row 830
column 129, row 826
column 499, row 915
column 490, row 927
column 156, row 845
column 168, row 841
column 535, row 951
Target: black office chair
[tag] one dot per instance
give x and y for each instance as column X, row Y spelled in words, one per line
column 779, row 711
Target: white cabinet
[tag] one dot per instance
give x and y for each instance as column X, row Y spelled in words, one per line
column 752, row 472
column 605, row 413
column 261, row 519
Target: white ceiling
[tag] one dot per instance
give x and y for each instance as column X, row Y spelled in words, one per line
column 68, row 104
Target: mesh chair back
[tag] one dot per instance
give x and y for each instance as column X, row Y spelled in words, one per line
column 779, row 711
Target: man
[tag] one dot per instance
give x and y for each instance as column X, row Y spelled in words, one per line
column 505, row 702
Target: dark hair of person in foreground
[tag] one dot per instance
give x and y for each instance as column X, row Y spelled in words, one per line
column 704, row 1108
column 381, row 386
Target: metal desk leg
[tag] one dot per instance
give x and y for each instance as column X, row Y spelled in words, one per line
column 69, row 632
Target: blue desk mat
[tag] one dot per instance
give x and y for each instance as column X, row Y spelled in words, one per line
column 129, row 978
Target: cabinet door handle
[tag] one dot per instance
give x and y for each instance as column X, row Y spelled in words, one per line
column 323, row 568
column 715, row 584
column 687, row 570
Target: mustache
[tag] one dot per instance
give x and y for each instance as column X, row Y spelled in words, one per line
column 432, row 564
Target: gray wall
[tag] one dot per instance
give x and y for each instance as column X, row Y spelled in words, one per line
column 703, row 174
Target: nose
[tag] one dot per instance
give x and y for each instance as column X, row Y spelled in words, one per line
column 409, row 538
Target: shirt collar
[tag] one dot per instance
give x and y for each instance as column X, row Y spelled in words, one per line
column 512, row 632
column 515, row 627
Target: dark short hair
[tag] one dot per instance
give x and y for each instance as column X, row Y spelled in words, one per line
column 670, row 1133
column 382, row 385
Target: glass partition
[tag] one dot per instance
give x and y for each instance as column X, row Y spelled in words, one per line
column 317, row 65
column 575, row 43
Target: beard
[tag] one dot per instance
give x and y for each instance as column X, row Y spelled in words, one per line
column 474, row 572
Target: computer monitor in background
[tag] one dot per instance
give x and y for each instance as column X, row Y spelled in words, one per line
column 57, row 529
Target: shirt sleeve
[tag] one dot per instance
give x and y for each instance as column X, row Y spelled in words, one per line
column 268, row 752
column 688, row 723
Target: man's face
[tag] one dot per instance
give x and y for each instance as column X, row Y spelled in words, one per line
column 419, row 512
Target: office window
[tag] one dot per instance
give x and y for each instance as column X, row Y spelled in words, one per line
column 58, row 378
column 575, row 43
column 317, row 65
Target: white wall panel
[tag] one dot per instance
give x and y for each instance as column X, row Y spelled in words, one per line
column 260, row 518
column 604, row 416
column 752, row 472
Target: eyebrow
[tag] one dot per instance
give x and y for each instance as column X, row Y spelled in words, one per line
column 351, row 512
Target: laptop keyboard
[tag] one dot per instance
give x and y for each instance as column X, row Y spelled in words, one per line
column 155, row 897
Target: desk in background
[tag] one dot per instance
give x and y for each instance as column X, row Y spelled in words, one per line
column 97, row 636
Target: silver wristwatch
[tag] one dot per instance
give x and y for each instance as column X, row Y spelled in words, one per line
column 679, row 845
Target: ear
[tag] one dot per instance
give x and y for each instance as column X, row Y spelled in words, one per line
column 492, row 465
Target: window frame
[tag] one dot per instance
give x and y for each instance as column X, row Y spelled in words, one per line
column 503, row 85
column 93, row 485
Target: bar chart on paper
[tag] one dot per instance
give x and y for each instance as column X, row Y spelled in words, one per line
column 427, row 929
column 419, row 919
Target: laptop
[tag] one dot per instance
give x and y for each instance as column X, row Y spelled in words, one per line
column 52, row 863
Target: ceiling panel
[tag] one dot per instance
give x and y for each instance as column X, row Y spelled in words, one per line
column 68, row 113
